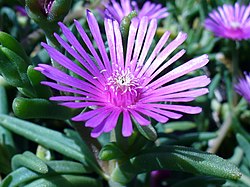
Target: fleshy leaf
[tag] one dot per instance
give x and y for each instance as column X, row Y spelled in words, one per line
column 29, row 160
column 40, row 108
column 175, row 158
column 24, row 175
column 111, row 151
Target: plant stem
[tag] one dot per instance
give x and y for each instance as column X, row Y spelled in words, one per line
column 235, row 70
column 245, row 179
column 222, row 132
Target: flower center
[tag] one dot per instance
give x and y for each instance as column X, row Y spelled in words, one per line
column 123, row 88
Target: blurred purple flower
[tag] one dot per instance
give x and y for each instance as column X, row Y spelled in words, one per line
column 230, row 21
column 132, row 86
column 151, row 10
column 46, row 5
column 243, row 87
column 21, row 10
column 158, row 176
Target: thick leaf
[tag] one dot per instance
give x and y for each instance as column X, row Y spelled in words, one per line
column 18, row 61
column 84, row 149
column 23, row 175
column 189, row 138
column 3, row 101
column 7, row 146
column 175, row 158
column 213, row 85
column 201, row 181
column 9, row 70
column 111, row 151
column 48, row 138
column 245, row 145
column 35, row 78
column 40, row 108
column 12, row 44
column 30, row 161
column 65, row 180
column 147, row 131
column 177, row 126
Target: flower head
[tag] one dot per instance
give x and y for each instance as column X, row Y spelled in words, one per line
column 151, row 10
column 230, row 21
column 123, row 82
column 243, row 87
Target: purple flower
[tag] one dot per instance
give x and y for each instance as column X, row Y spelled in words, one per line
column 46, row 5
column 127, row 83
column 21, row 10
column 157, row 176
column 151, row 10
column 230, row 21
column 243, row 87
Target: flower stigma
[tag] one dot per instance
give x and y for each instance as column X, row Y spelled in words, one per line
column 123, row 88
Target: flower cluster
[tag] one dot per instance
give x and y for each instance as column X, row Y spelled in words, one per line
column 151, row 10
column 230, row 21
column 126, row 83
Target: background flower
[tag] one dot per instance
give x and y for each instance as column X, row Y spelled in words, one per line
column 119, row 11
column 230, row 21
column 129, row 86
column 243, row 87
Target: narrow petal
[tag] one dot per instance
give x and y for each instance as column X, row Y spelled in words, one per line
column 148, row 41
column 153, row 115
column 155, row 52
column 95, row 30
column 87, row 115
column 98, row 119
column 127, row 127
column 97, row 131
column 181, row 70
column 131, row 40
column 111, row 121
column 141, row 120
column 82, row 104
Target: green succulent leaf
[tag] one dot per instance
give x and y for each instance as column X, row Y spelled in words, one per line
column 177, row 126
column 9, row 70
column 7, row 41
column 24, row 175
column 3, row 101
column 175, row 158
column 245, row 145
column 147, row 131
column 65, row 180
column 40, row 108
column 111, row 151
column 35, row 78
column 30, row 161
column 189, row 138
column 48, row 138
column 201, row 181
column 7, row 146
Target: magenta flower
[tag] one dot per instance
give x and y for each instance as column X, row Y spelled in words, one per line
column 230, row 21
column 243, row 87
column 130, row 86
column 151, row 10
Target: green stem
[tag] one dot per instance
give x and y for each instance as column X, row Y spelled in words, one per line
column 235, row 70
column 94, row 146
column 245, row 179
